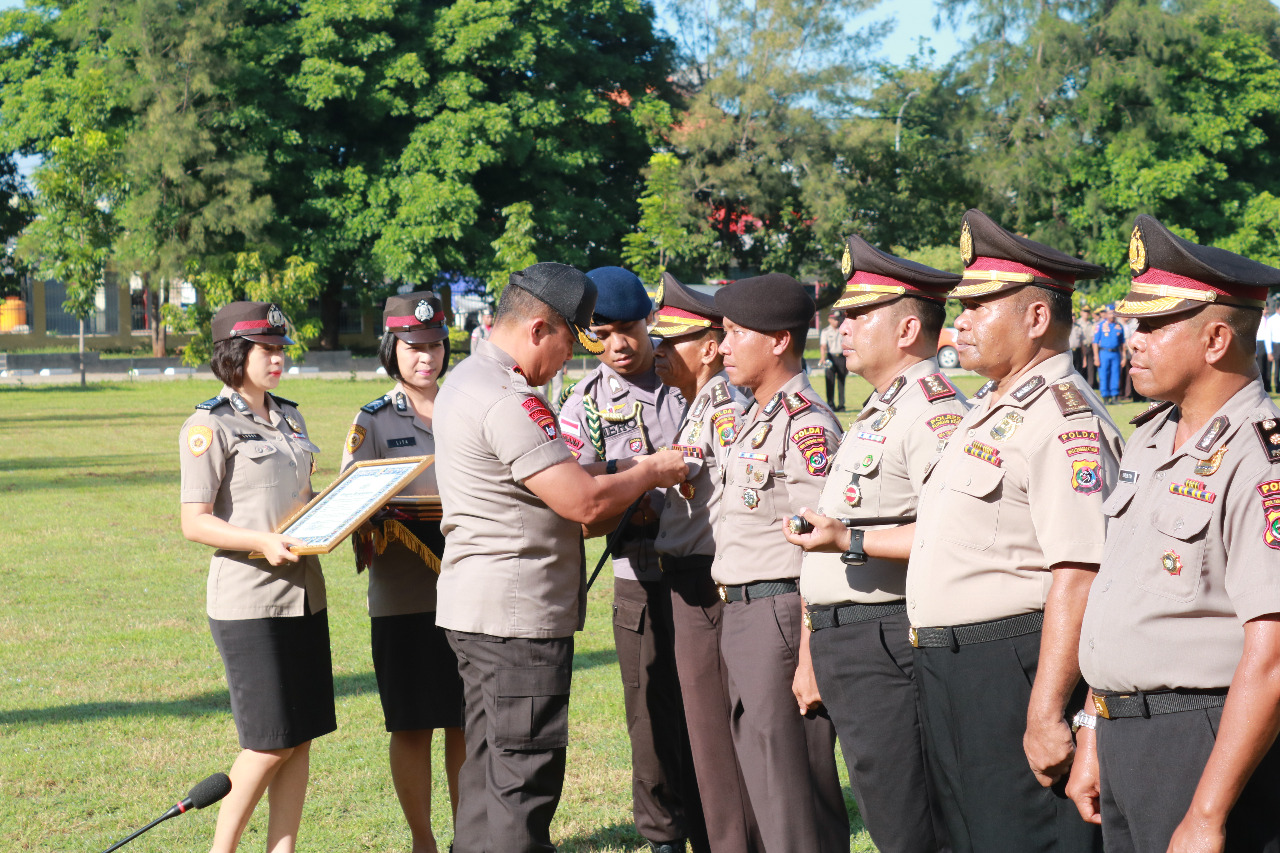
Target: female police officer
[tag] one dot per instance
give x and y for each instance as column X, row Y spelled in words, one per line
column 417, row 671
column 246, row 465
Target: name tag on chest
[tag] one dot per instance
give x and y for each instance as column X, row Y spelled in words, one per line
column 402, row 442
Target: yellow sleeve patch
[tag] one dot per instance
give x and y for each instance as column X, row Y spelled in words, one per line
column 199, row 438
column 355, row 438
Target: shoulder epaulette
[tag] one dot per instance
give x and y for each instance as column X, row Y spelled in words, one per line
column 212, row 403
column 1069, row 399
column 796, row 403
column 1150, row 412
column 378, row 404
column 985, row 389
column 720, row 395
column 936, row 387
column 1269, row 434
column 893, row 389
column 282, row 401
column 1026, row 389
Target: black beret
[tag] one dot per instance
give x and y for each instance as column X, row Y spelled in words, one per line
column 874, row 276
column 772, row 302
column 682, row 311
column 260, row 322
column 568, row 291
column 1172, row 274
column 997, row 260
column 415, row 318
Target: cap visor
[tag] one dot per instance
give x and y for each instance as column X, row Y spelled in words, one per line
column 1138, row 305
column 861, row 299
column 269, row 340
column 423, row 336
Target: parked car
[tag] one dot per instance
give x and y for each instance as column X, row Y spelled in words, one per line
column 947, row 356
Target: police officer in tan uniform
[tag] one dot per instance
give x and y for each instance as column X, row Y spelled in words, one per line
column 1181, row 635
column 778, row 459
column 620, row 410
column 689, row 330
column 857, row 611
column 417, row 672
column 246, row 467
column 512, row 588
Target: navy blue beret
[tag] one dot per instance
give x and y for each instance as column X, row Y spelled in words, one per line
column 620, row 296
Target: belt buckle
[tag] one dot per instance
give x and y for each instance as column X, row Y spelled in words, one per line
column 1100, row 705
column 808, row 620
column 724, row 593
column 914, row 637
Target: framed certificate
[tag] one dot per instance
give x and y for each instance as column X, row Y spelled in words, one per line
column 348, row 502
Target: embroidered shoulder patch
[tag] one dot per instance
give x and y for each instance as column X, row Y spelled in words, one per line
column 1069, row 399
column 1078, row 435
column 893, row 389
column 377, row 405
column 720, row 395
column 355, row 438
column 941, row 423
column 725, row 423
column 1269, row 435
column 574, row 444
column 936, row 387
column 1270, row 492
column 1150, row 412
column 212, row 403
column 199, row 437
column 812, row 442
column 1026, row 389
column 1216, row 428
column 1086, row 476
column 540, row 415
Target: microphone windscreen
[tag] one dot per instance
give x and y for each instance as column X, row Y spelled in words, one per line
column 209, row 791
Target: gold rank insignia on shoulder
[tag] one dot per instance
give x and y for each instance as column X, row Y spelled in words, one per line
column 1205, row 467
column 796, row 403
column 1008, row 426
column 893, row 389
column 1137, row 252
column 1069, row 399
column 1269, row 435
column 1216, row 428
column 1026, row 389
column 720, row 395
column 760, row 434
column 883, row 419
column 936, row 387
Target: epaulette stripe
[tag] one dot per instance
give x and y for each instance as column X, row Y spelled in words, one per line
column 1150, row 412
column 375, row 406
column 212, row 403
column 283, row 401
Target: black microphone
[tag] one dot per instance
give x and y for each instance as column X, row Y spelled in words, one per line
column 205, row 793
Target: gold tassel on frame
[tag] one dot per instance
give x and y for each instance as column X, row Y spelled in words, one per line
column 394, row 531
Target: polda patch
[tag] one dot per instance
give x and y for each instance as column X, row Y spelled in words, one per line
column 540, row 415
column 1086, row 476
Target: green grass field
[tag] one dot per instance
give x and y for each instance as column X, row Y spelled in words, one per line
column 112, row 700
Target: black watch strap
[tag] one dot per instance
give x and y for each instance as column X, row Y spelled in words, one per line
column 854, row 556
column 611, row 467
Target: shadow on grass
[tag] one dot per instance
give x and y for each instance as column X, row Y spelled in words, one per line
column 92, row 419
column 93, row 463
column 621, row 835
column 590, row 660
column 213, row 702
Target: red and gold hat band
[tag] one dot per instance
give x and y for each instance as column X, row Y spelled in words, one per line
column 991, row 274
column 1160, row 283
column 250, row 326
column 403, row 322
column 680, row 317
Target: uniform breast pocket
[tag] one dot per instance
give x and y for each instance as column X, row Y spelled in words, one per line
column 258, row 465
column 751, row 482
column 1172, row 567
column 974, row 491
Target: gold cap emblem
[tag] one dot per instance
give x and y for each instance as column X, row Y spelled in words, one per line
column 661, row 294
column 966, row 243
column 1137, row 252
column 846, row 263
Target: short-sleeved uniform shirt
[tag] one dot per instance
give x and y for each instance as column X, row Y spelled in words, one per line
column 830, row 340
column 626, row 417
column 1193, row 536
column 777, row 463
column 256, row 473
column 1109, row 336
column 511, row 566
column 877, row 472
column 687, row 526
column 389, row 428
column 1015, row 490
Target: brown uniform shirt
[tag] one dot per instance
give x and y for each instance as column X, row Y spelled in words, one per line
column 687, row 526
column 1015, row 490
column 634, row 418
column 511, row 566
column 1192, row 541
column 878, row 471
column 388, row 428
column 255, row 472
column 777, row 463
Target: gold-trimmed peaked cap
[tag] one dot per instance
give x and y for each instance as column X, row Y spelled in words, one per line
column 568, row 291
column 874, row 277
column 1171, row 274
column 682, row 311
column 996, row 260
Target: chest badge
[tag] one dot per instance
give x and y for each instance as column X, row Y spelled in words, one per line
column 853, row 491
column 750, row 498
column 1171, row 562
column 636, row 445
column 761, row 433
column 686, row 490
column 1008, row 426
column 757, row 473
column 1211, row 465
column 695, row 432
column 883, row 419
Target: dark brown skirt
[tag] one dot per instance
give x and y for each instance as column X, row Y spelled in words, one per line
column 417, row 671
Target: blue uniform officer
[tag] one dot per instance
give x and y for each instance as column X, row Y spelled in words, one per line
column 1108, row 349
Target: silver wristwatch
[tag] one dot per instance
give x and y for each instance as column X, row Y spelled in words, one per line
column 1083, row 721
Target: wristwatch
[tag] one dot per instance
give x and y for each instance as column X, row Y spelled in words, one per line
column 854, row 556
column 611, row 467
column 1083, row 721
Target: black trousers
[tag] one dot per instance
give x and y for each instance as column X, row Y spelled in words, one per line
column 664, row 787
column 974, row 709
column 834, row 376
column 517, row 730
column 864, row 675
column 1264, row 364
column 1150, row 769
column 696, row 611
column 788, row 761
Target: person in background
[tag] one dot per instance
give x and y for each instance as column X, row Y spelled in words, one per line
column 1081, row 339
column 1131, row 394
column 1108, row 352
column 833, row 360
column 246, row 467
column 1272, row 321
column 482, row 331
column 1263, row 349
column 417, row 672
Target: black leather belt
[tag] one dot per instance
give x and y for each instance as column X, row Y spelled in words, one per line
column 696, row 562
column 978, row 632
column 833, row 616
column 1112, row 706
column 764, row 589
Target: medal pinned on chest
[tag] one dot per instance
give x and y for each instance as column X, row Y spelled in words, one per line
column 750, row 498
column 853, row 491
column 761, row 433
column 1007, row 426
column 882, row 420
column 757, row 473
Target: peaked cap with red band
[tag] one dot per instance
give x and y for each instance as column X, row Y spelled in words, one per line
column 997, row 260
column 1171, row 274
column 415, row 318
column 682, row 311
column 260, row 322
column 876, row 277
